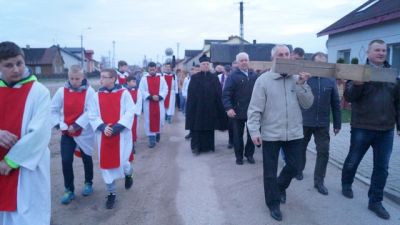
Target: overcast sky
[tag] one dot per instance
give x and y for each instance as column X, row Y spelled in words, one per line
column 148, row 27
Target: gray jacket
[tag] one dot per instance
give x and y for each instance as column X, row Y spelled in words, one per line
column 275, row 107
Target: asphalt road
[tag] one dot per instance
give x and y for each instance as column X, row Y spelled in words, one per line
column 173, row 187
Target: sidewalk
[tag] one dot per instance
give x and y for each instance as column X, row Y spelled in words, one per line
column 340, row 147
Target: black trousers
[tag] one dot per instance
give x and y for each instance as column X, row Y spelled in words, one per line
column 68, row 146
column 230, row 131
column 203, row 140
column 238, row 144
column 321, row 139
column 274, row 185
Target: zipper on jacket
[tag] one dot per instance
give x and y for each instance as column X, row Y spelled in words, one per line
column 287, row 116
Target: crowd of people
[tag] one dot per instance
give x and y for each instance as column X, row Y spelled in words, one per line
column 277, row 112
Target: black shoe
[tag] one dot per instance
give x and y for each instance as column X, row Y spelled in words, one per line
column 230, row 145
column 321, row 188
column 110, row 201
column 379, row 210
column 239, row 161
column 347, row 191
column 251, row 160
column 188, row 136
column 299, row 176
column 275, row 213
column 158, row 136
column 128, row 181
column 152, row 145
column 196, row 151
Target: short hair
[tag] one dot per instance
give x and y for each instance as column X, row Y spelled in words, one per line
column 9, row 49
column 318, row 54
column 74, row 69
column 131, row 77
column 273, row 50
column 228, row 68
column 298, row 51
column 112, row 72
column 152, row 64
column 122, row 63
column 197, row 65
column 378, row 41
column 240, row 54
column 167, row 64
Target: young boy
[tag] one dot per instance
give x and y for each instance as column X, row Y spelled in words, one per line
column 24, row 137
column 122, row 72
column 69, row 108
column 111, row 114
column 172, row 82
column 137, row 99
column 154, row 89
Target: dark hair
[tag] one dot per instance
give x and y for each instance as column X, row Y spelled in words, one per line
column 228, row 68
column 298, row 51
column 197, row 65
column 167, row 64
column 9, row 50
column 122, row 63
column 130, row 78
column 379, row 41
column 152, row 64
column 111, row 72
column 318, row 54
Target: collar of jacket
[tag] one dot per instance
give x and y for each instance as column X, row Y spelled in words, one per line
column 277, row 76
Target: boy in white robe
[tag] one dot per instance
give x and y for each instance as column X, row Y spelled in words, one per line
column 154, row 90
column 69, row 108
column 172, row 83
column 111, row 114
column 24, row 137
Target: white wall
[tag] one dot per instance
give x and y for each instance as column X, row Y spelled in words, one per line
column 70, row 60
column 358, row 40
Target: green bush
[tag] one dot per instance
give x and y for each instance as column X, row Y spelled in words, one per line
column 354, row 60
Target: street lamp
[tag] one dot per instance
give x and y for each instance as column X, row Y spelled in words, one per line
column 82, row 52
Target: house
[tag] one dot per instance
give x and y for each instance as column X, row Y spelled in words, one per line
column 193, row 60
column 45, row 61
column 259, row 54
column 375, row 19
column 74, row 56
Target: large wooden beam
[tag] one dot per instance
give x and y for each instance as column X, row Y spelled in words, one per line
column 363, row 73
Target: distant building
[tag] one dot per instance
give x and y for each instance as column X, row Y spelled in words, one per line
column 376, row 19
column 45, row 61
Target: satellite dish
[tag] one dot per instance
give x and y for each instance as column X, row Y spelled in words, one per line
column 169, row 51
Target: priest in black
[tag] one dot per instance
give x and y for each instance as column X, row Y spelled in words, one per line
column 205, row 111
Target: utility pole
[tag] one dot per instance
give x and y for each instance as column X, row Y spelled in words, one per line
column 113, row 56
column 82, row 52
column 241, row 20
column 177, row 50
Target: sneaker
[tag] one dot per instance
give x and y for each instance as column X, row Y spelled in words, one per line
column 158, row 136
column 67, row 197
column 300, row 176
column 188, row 136
column 128, row 181
column 110, row 201
column 347, row 191
column 87, row 189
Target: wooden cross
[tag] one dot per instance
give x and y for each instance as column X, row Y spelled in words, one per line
column 363, row 73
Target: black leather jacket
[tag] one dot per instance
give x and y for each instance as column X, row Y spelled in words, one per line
column 375, row 105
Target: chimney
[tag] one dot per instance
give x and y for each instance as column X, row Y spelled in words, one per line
column 254, row 42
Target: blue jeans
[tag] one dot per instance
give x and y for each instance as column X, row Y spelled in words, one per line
column 382, row 144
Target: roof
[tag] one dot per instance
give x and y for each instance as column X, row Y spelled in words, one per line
column 370, row 13
column 70, row 54
column 40, row 56
column 74, row 50
column 210, row 41
column 226, row 53
column 192, row 53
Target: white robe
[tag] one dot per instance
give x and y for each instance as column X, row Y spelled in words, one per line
column 126, row 119
column 85, row 140
column 170, row 111
column 31, row 152
column 144, row 89
column 138, row 106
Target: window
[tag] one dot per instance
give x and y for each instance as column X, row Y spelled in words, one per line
column 345, row 55
column 38, row 70
column 393, row 55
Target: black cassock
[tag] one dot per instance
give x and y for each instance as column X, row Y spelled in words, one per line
column 204, row 110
